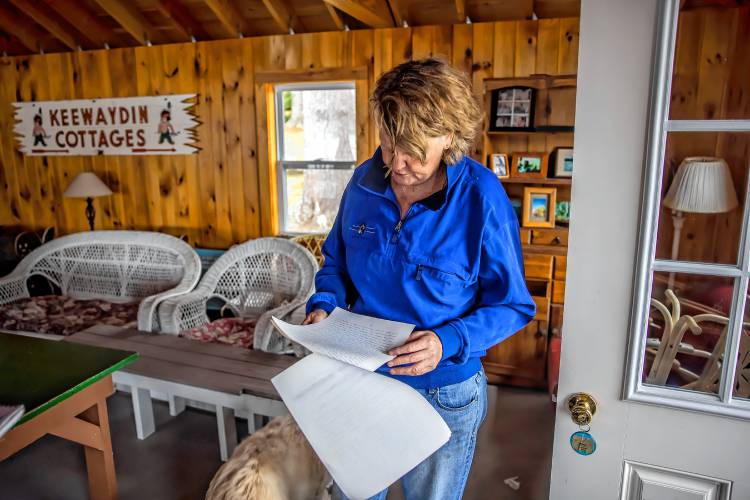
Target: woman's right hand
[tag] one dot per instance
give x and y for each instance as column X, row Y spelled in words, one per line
column 315, row 317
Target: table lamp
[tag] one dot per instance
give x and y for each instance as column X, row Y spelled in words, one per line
column 87, row 185
column 702, row 185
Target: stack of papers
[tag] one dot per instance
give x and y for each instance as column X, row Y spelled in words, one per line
column 9, row 415
column 367, row 429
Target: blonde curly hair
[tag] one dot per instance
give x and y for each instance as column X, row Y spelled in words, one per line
column 426, row 98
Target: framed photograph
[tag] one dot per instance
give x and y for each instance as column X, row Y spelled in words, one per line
column 499, row 165
column 512, row 108
column 539, row 207
column 564, row 162
column 562, row 212
column 529, row 165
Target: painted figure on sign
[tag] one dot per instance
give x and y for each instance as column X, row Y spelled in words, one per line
column 166, row 130
column 38, row 132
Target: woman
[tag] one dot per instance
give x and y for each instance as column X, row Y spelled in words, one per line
column 426, row 235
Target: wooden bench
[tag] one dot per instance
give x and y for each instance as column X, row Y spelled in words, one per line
column 231, row 379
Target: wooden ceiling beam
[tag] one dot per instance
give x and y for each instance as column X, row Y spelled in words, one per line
column 42, row 17
column 230, row 18
column 375, row 15
column 280, row 14
column 130, row 19
column 395, row 7
column 335, row 16
column 22, row 29
column 181, row 19
column 82, row 20
column 460, row 10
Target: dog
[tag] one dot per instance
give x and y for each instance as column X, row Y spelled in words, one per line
column 275, row 463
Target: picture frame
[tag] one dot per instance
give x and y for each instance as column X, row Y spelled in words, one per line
column 529, row 165
column 512, row 108
column 539, row 207
column 564, row 162
column 499, row 165
column 562, row 212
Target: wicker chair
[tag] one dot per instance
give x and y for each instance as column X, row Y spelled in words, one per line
column 314, row 243
column 258, row 279
column 117, row 266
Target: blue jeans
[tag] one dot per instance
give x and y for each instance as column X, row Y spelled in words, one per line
column 442, row 476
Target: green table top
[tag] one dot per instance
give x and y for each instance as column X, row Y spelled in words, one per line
column 39, row 373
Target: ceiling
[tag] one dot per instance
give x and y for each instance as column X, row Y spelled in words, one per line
column 34, row 26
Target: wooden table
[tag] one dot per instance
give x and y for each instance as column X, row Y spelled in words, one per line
column 64, row 387
column 230, row 379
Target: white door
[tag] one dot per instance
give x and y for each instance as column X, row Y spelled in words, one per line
column 677, row 434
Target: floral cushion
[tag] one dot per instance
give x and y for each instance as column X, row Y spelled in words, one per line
column 233, row 331
column 63, row 315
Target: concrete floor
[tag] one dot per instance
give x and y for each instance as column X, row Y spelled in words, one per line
column 179, row 460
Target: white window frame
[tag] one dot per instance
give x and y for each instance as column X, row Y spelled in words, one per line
column 281, row 165
column 634, row 389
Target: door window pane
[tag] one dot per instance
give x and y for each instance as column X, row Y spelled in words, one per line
column 742, row 374
column 703, row 195
column 687, row 330
column 711, row 79
column 313, row 197
column 318, row 124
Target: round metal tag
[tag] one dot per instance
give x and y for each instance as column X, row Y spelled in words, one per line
column 583, row 443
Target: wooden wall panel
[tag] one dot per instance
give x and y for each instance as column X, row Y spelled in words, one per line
column 225, row 193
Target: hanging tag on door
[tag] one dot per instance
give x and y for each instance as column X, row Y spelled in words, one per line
column 583, row 443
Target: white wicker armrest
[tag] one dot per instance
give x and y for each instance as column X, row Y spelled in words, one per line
column 12, row 288
column 266, row 338
column 184, row 312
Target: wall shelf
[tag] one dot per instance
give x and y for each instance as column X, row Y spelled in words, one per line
column 549, row 181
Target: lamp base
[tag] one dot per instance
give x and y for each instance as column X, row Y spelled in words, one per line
column 90, row 212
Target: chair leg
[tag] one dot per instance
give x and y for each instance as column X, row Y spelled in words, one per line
column 143, row 411
column 227, row 431
column 176, row 405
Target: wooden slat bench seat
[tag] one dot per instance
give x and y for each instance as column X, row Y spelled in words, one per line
column 229, row 378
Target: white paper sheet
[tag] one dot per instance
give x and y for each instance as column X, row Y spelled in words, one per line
column 352, row 338
column 367, row 429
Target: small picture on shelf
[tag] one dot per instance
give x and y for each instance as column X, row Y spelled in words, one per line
column 512, row 108
column 537, row 207
column 564, row 162
column 562, row 212
column 529, row 165
column 499, row 165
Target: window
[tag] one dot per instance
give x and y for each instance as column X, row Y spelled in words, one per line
column 690, row 310
column 316, row 153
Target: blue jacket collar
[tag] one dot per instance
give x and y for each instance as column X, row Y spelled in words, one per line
column 375, row 181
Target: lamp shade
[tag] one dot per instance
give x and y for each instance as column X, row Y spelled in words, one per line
column 87, row 185
column 702, row 185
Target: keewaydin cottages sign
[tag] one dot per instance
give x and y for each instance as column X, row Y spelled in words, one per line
column 150, row 125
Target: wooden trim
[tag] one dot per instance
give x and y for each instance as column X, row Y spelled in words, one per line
column 539, row 82
column 130, row 19
column 395, row 8
column 311, row 75
column 229, row 17
column 50, row 24
column 265, row 114
column 374, row 19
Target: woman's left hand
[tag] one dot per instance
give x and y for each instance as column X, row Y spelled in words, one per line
column 423, row 348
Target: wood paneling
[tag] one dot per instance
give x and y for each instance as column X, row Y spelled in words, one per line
column 225, row 193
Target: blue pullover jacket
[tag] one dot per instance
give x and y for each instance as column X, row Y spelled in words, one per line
column 453, row 265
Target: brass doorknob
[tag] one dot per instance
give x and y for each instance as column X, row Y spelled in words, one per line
column 582, row 408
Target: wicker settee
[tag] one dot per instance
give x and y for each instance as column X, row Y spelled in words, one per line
column 107, row 267
column 258, row 279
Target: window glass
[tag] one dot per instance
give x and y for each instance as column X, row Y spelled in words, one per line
column 312, row 198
